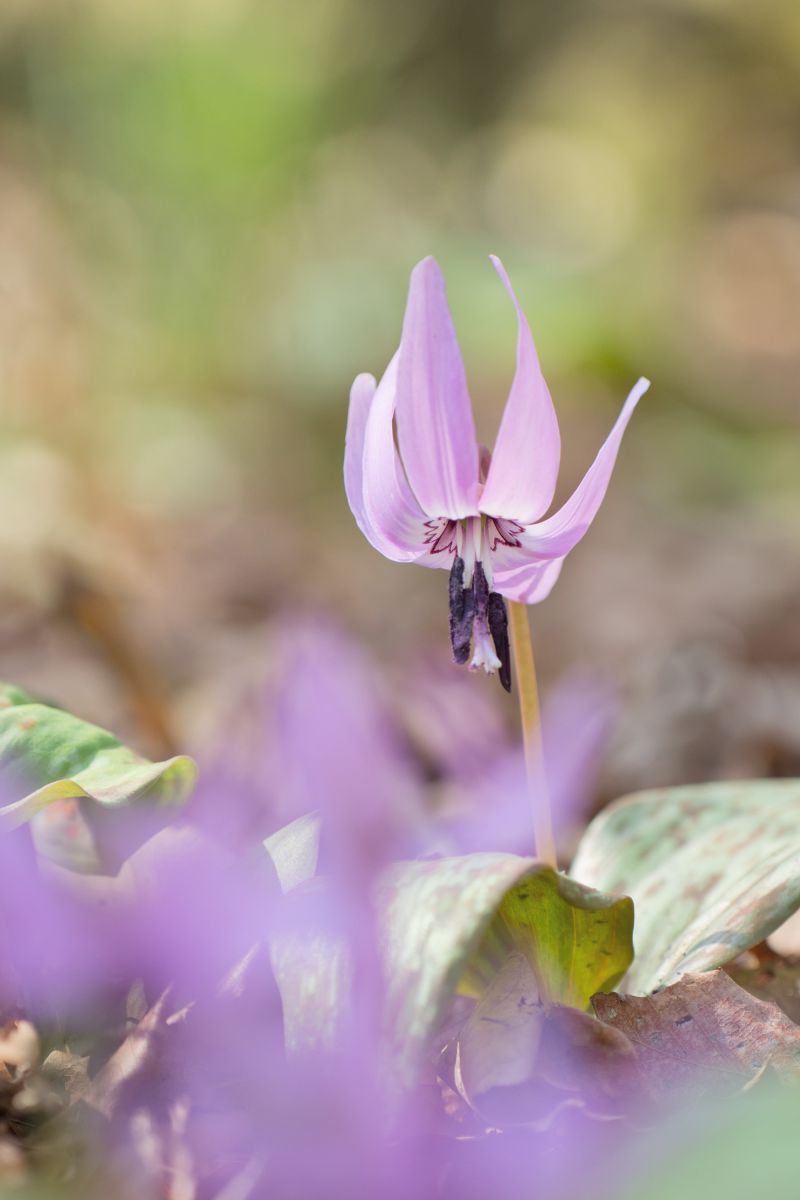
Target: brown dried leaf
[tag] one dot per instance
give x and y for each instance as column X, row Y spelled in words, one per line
column 499, row 1044
column 702, row 1032
column 19, row 1047
column 68, row 1073
column 578, row 1053
column 138, row 1055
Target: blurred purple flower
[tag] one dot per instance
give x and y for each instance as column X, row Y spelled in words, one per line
column 458, row 730
column 496, row 811
column 338, row 752
column 57, row 952
column 196, row 916
column 434, row 499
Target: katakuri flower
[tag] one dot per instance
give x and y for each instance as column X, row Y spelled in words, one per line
column 421, row 489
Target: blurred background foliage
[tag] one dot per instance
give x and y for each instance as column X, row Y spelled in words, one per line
column 208, row 214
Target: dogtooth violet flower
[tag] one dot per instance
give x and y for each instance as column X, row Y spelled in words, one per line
column 421, row 489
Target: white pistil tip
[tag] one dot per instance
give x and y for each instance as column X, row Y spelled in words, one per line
column 484, row 655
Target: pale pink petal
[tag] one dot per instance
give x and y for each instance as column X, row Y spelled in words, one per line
column 435, row 429
column 361, row 394
column 441, row 562
column 555, row 536
column 393, row 521
column 524, row 468
column 530, row 582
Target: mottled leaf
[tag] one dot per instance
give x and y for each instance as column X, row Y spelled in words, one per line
column 712, row 869
column 452, row 923
column 447, row 925
column 294, row 850
column 703, row 1033
column 308, row 960
column 50, row 756
column 312, row 968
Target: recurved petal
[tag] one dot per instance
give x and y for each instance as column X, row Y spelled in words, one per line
column 555, row 536
column 393, row 521
column 524, row 468
column 361, row 394
column 435, row 428
column 530, row 582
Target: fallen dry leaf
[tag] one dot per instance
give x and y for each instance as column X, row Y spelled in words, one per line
column 138, row 1055
column 68, row 1072
column 519, row 1059
column 585, row 1056
column 701, row 1033
column 19, row 1047
column 498, row 1046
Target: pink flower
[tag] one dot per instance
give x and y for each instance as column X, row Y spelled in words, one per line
column 432, row 498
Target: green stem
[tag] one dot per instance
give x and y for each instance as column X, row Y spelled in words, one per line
column 525, row 673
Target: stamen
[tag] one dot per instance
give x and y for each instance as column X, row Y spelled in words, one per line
column 481, row 591
column 462, row 612
column 483, row 655
column 498, row 627
column 478, row 618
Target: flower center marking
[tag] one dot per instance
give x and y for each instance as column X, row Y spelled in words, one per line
column 478, row 618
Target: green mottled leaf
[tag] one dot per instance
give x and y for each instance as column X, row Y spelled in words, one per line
column 451, row 923
column 313, row 972
column 294, row 850
column 712, row 870
column 576, row 940
column 49, row 755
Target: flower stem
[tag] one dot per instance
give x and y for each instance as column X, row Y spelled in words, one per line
column 525, row 671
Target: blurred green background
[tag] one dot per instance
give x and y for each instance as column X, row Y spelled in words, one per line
column 208, row 214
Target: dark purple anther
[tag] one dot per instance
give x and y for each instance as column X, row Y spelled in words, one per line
column 498, row 627
column 481, row 590
column 462, row 612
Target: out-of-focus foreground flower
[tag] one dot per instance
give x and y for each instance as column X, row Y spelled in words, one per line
column 353, row 1007
column 434, row 498
column 203, row 1094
